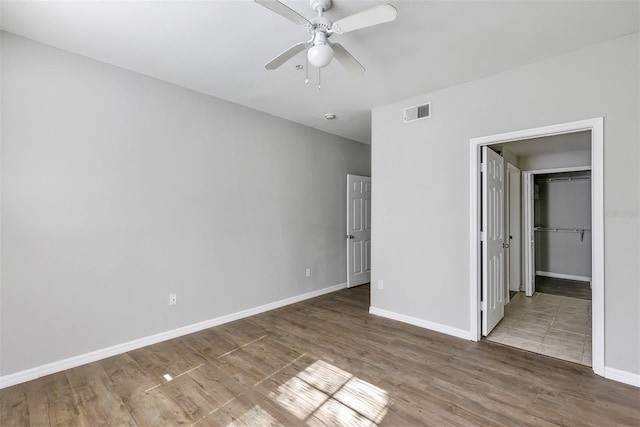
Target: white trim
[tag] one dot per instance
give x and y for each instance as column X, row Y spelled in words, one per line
column 72, row 362
column 622, row 376
column 597, row 244
column 513, row 231
column 559, row 129
column 596, row 126
column 563, row 276
column 475, row 323
column 528, row 252
column 437, row 327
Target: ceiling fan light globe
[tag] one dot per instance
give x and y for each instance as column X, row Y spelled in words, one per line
column 320, row 55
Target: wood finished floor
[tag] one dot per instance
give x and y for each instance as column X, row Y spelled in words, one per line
column 324, row 361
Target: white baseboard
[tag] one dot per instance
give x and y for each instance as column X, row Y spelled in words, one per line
column 82, row 359
column 437, row 327
column 563, row 276
column 622, row 376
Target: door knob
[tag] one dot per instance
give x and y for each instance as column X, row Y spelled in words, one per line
column 505, row 246
column 349, row 236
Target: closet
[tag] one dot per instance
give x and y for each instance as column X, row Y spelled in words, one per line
column 562, row 215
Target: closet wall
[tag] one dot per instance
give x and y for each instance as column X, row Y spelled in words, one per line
column 563, row 225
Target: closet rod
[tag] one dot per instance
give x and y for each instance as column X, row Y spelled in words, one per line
column 563, row 230
column 580, row 231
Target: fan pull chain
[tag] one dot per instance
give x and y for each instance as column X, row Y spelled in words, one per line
column 319, row 81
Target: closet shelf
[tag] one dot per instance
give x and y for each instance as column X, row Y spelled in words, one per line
column 567, row 179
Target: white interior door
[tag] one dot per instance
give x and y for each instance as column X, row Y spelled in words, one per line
column 529, row 235
column 358, row 230
column 514, row 221
column 493, row 242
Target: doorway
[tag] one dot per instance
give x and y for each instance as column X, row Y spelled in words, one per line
column 595, row 127
column 554, row 318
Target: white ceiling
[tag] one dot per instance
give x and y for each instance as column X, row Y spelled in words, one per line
column 219, row 47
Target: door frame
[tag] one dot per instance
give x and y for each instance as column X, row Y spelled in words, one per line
column 528, row 243
column 514, row 229
column 528, row 258
column 596, row 126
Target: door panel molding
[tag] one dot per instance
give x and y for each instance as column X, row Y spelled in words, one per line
column 358, row 230
column 493, row 247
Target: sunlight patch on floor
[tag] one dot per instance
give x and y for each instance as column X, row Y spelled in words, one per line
column 324, row 394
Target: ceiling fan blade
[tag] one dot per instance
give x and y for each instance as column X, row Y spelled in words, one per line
column 366, row 18
column 285, row 56
column 347, row 60
column 284, row 11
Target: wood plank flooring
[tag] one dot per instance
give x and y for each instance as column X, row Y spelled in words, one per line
column 325, row 361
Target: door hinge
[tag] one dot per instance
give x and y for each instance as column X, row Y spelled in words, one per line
column 482, row 167
column 482, row 236
column 483, row 306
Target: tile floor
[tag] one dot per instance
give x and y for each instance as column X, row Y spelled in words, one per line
column 553, row 325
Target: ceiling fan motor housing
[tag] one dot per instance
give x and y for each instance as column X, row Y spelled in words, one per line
column 320, row 24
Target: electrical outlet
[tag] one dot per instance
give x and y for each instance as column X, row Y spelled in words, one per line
column 380, row 284
column 308, row 272
column 173, row 299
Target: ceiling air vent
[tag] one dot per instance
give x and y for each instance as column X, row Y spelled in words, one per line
column 418, row 112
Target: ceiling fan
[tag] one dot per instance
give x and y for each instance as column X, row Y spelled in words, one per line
column 320, row 51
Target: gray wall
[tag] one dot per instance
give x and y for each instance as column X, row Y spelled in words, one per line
column 118, row 189
column 555, row 160
column 563, row 204
column 420, row 170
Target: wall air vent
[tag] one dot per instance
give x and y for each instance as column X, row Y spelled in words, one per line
column 418, row 112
